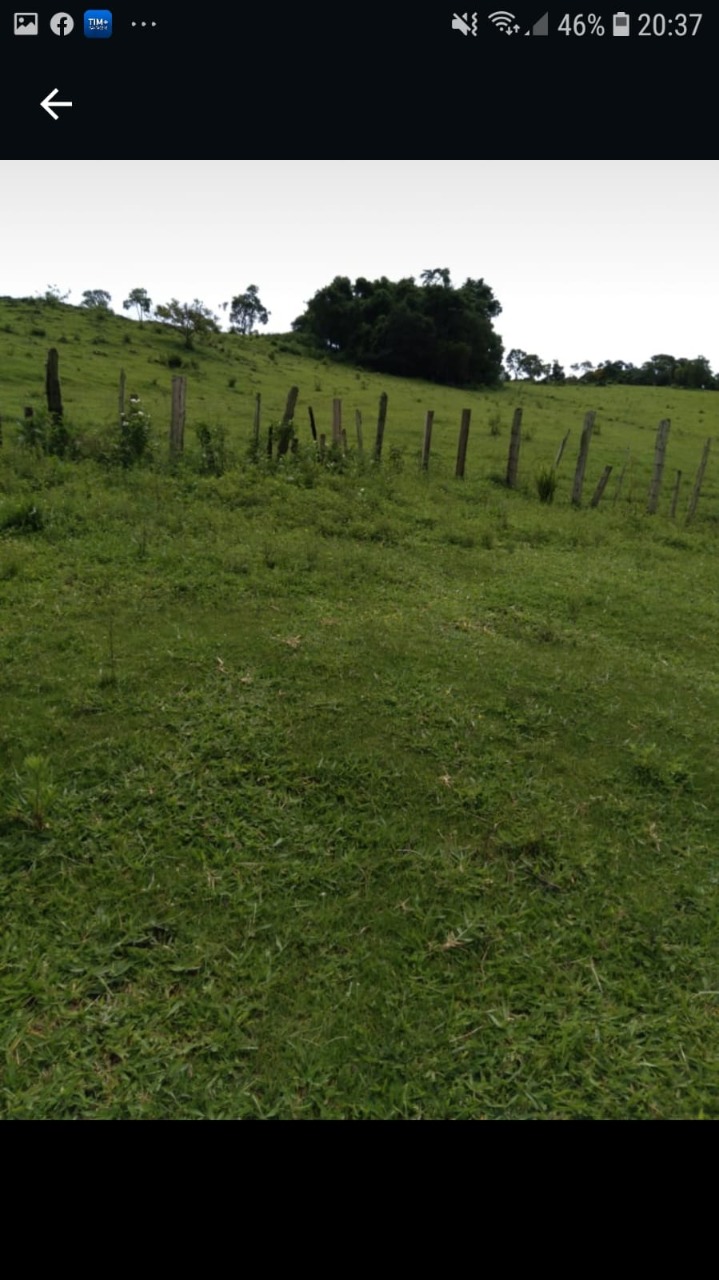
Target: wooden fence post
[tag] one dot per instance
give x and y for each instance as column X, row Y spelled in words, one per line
column 561, row 449
column 381, row 420
column 659, row 451
column 289, row 412
column 462, row 445
column 358, row 426
column 427, row 442
column 336, row 421
column 343, row 438
column 52, row 384
column 582, row 458
column 323, row 445
column 675, row 495
column 313, row 427
column 698, row 482
column 597, row 496
column 121, row 395
column 177, row 421
column 514, row 443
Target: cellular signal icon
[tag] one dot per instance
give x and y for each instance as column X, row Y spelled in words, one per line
column 505, row 22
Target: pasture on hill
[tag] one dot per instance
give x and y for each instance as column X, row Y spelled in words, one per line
column 334, row 789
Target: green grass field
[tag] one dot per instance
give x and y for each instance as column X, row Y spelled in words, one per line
column 345, row 791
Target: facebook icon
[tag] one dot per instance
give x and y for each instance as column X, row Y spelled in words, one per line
column 61, row 24
column 98, row 24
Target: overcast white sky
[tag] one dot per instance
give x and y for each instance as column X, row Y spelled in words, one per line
column 590, row 259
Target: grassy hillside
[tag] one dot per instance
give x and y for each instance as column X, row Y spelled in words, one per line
column 346, row 791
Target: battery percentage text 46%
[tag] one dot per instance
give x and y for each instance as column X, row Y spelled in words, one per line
column 580, row 25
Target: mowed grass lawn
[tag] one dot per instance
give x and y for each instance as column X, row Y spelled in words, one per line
column 354, row 792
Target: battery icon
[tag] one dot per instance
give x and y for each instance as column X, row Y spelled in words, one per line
column 620, row 24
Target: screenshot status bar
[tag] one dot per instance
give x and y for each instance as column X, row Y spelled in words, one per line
column 580, row 25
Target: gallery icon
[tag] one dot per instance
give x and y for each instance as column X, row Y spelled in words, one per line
column 25, row 24
column 98, row 24
column 61, row 24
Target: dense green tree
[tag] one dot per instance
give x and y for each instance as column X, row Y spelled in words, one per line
column 98, row 298
column 247, row 311
column 515, row 362
column 138, row 298
column 556, row 372
column 192, row 319
column 431, row 331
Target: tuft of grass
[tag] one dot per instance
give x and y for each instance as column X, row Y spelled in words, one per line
column 546, row 482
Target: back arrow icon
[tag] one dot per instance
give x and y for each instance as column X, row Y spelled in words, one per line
column 49, row 99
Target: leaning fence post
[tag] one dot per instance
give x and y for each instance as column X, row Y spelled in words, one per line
column 381, row 420
column 427, row 442
column 659, row 451
column 313, row 428
column 514, row 443
column 561, row 449
column 582, row 458
column 291, row 402
column 462, row 444
column 698, row 482
column 597, row 495
column 675, row 495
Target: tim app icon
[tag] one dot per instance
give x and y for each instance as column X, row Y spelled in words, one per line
column 97, row 24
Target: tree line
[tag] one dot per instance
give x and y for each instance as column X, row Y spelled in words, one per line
column 431, row 330
column 659, row 371
column 191, row 319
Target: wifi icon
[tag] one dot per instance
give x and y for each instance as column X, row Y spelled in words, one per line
column 504, row 21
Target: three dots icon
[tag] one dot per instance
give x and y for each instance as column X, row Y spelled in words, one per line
column 143, row 24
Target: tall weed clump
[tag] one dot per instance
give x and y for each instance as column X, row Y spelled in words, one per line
column 134, row 435
column 546, row 484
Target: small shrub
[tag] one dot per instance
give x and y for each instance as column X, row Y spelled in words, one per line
column 213, row 458
column 174, row 362
column 232, row 383
column 35, row 791
column 495, row 425
column 38, row 333
column 134, row 437
column 546, row 484
column 58, row 439
column 26, row 518
column 31, row 432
